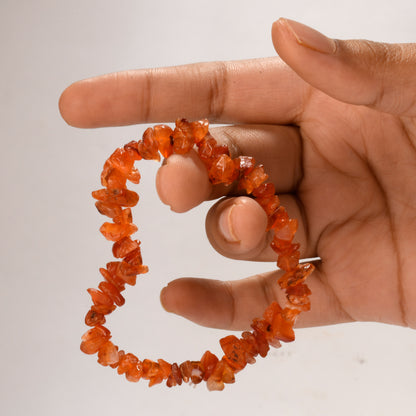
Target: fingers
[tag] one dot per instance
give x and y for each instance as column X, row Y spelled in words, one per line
column 253, row 91
column 233, row 305
column 379, row 75
column 236, row 228
column 182, row 182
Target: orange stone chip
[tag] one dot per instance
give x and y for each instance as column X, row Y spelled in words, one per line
column 148, row 146
column 94, row 339
column 163, row 135
column 115, row 232
column 122, row 197
column 108, row 354
column 124, row 246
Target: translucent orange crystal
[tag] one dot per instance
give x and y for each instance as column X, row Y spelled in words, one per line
column 199, row 129
column 163, row 135
column 208, row 363
column 124, row 246
column 148, row 146
column 93, row 318
column 182, row 136
column 115, row 232
column 108, row 354
column 252, row 180
column 112, row 292
column 122, row 197
column 94, row 339
column 223, row 170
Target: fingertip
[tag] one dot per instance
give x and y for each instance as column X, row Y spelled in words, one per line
column 72, row 105
column 63, row 105
column 203, row 301
column 279, row 32
column 164, row 299
column 236, row 227
column 182, row 182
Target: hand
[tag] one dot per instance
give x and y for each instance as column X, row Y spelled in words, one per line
column 334, row 125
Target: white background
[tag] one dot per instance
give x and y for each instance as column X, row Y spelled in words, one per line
column 51, row 249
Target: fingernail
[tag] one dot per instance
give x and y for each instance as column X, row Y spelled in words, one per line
column 225, row 225
column 310, row 38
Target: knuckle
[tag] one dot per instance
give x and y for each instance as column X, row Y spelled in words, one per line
column 217, row 90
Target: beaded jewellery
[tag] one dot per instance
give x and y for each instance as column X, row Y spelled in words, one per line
column 115, row 201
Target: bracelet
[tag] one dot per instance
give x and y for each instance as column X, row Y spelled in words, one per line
column 115, row 201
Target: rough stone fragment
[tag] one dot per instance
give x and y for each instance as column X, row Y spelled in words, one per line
column 175, row 377
column 264, row 190
column 110, row 275
column 99, row 298
column 130, row 365
column 120, row 355
column 163, row 135
column 222, row 373
column 269, row 203
column 93, row 318
column 111, row 291
column 124, row 246
column 134, row 258
column 152, row 372
column 104, row 309
column 278, row 328
column 148, row 146
column 196, row 372
column 112, row 178
column 285, row 231
column 115, row 232
column 209, row 150
column 182, row 136
column 109, row 209
column 253, row 179
column 290, row 315
column 298, row 296
column 133, row 150
column 208, row 363
column 284, row 246
column 123, row 197
column 125, row 217
column 288, row 261
column 223, row 170
column 121, row 160
column 234, row 352
column 250, row 346
column 94, row 339
column 245, row 164
column 186, row 370
column 108, row 354
column 128, row 272
column 261, row 341
column 125, row 272
column 199, row 129
column 126, row 363
column 165, row 368
column 294, row 277
column 134, row 176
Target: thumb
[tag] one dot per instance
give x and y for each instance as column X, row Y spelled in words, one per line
column 378, row 75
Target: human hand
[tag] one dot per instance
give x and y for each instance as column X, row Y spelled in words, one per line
column 334, row 125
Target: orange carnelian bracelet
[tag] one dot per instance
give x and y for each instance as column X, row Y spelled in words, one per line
column 115, row 201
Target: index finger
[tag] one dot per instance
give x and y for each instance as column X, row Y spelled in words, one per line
column 251, row 91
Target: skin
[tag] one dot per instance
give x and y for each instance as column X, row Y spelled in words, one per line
column 334, row 124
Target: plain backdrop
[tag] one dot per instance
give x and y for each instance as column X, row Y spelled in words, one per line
column 51, row 248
